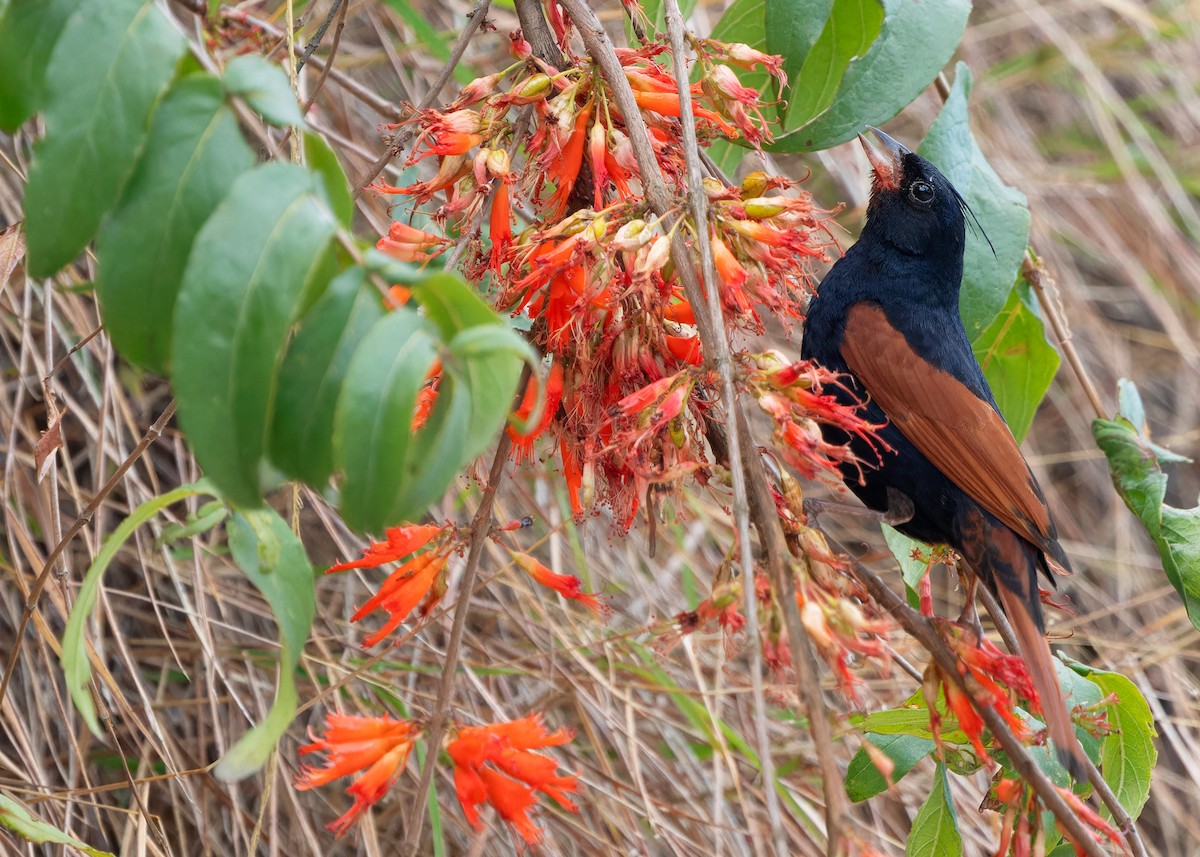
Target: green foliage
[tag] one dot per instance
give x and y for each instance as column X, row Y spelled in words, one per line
column 264, row 87
column 107, row 72
column 791, row 30
column 850, row 30
column 273, row 558
column 863, row 779
column 1001, row 210
column 1018, row 361
column 1134, row 465
column 193, row 154
column 912, row 568
column 24, row 824
column 1133, row 460
column 77, row 669
column 1127, row 757
column 935, row 829
column 29, row 30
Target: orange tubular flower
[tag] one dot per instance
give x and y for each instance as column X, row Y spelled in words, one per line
column 380, row 746
column 400, row 542
column 566, row 585
column 667, row 103
column 565, row 170
column 408, row 244
column 515, row 775
column 523, row 440
column 401, row 593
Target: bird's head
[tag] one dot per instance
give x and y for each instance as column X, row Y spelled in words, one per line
column 913, row 207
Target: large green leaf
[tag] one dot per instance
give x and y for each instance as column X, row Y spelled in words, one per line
column 934, row 831
column 29, row 29
column 1128, row 755
column 373, row 422
column 29, row 827
column 258, row 262
column 77, row 670
column 265, row 87
column 192, row 156
column 999, row 210
column 1133, row 460
column 273, row 558
column 851, row 29
column 916, row 41
column 107, row 72
column 1018, row 361
column 321, row 158
column 310, row 379
column 790, row 29
column 863, row 779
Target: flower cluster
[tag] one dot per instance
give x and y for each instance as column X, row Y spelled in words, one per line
column 379, row 746
column 1023, row 815
column 497, row 764
column 493, row 764
column 419, row 580
column 1002, row 679
column 626, row 400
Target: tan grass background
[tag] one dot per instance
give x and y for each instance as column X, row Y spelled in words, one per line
column 1090, row 108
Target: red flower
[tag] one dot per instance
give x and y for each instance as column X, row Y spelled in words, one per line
column 515, row 774
column 377, row 745
column 566, row 585
column 402, row 591
column 400, row 542
column 522, row 433
column 564, row 170
column 407, row 244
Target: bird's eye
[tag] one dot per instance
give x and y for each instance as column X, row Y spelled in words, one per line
column 921, row 192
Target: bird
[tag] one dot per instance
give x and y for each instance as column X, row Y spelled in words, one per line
column 886, row 317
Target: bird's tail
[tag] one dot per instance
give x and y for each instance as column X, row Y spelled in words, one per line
column 1040, row 662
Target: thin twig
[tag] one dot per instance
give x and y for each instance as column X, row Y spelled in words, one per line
column 698, row 201
column 333, row 49
column 481, row 528
column 82, row 521
column 476, row 17
column 338, row 9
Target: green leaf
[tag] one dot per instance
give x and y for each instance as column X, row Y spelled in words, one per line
column 192, row 156
column 310, row 379
column 1018, row 361
column 29, row 30
column 1133, row 461
column 916, row 41
column 1128, row 756
column 852, row 27
column 273, row 558
column 451, row 304
column 438, row 44
column 479, row 378
column 77, row 670
column 257, row 263
column 1001, row 211
column 863, row 779
column 791, row 29
column 265, row 87
column 106, row 75
column 322, row 159
column 24, row 824
column 911, row 569
column 934, row 831
column 373, row 421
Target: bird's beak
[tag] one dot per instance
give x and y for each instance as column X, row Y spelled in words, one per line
column 888, row 165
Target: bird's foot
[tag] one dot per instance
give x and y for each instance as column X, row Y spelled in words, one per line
column 899, row 511
column 900, row 508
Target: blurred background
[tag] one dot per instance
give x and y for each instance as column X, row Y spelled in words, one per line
column 1091, row 109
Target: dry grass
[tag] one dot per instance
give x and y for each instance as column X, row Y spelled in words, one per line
column 1091, row 109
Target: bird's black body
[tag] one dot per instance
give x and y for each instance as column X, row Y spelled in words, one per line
column 886, row 317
